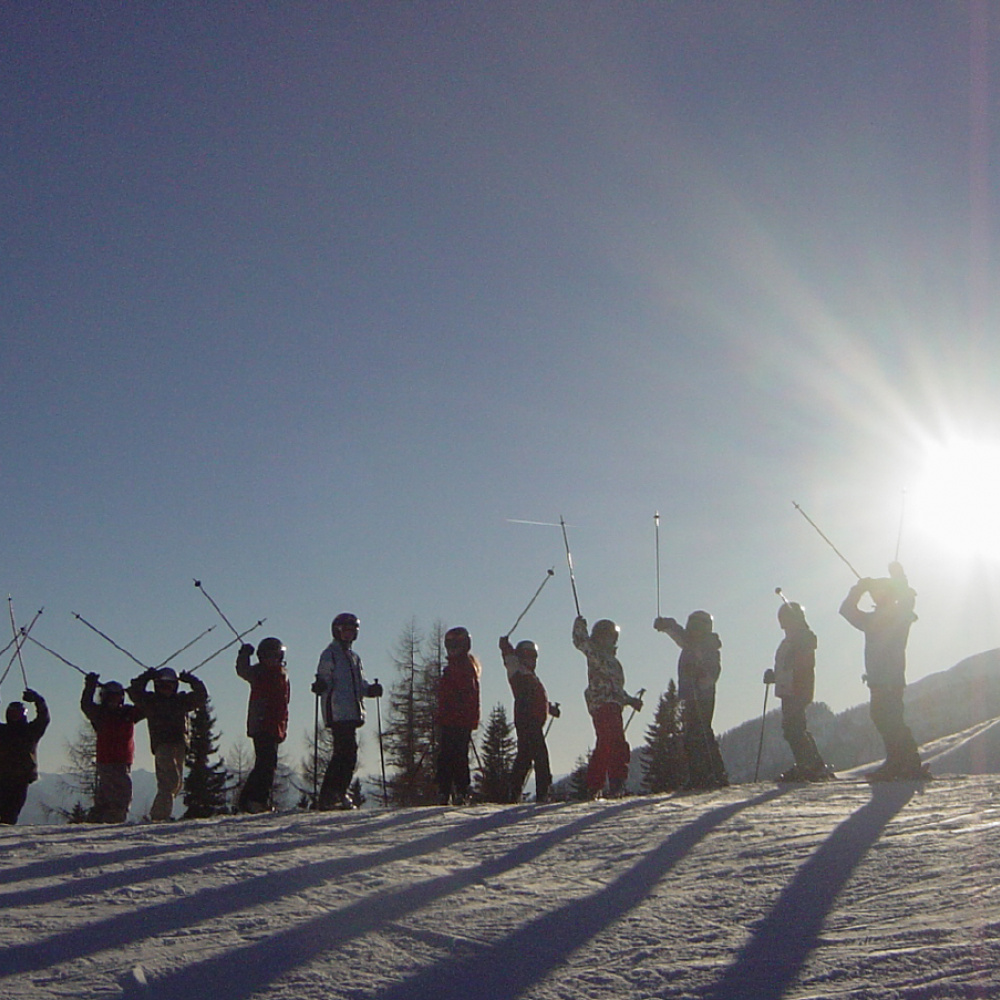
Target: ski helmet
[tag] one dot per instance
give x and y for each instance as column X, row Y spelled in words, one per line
column 791, row 615
column 270, row 647
column 345, row 620
column 605, row 633
column 15, row 713
column 112, row 689
column 526, row 649
column 166, row 674
column 699, row 622
column 458, row 640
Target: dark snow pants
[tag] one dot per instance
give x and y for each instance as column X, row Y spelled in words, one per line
column 886, row 707
column 797, row 736
column 343, row 761
column 260, row 781
column 705, row 766
column 12, row 796
column 452, row 775
column 531, row 749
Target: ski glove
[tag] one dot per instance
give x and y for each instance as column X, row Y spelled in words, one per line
column 318, row 686
column 769, row 676
column 375, row 690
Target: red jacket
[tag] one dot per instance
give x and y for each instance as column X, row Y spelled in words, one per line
column 267, row 713
column 458, row 693
column 115, row 729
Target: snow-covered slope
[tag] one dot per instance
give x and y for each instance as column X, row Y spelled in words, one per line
column 837, row 890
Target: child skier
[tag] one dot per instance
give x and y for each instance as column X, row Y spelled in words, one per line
column 457, row 715
column 606, row 697
column 698, row 669
column 166, row 709
column 267, row 718
column 340, row 683
column 794, row 679
column 531, row 709
column 114, row 725
column 886, row 630
column 19, row 753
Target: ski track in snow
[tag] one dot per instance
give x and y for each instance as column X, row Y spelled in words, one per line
column 835, row 891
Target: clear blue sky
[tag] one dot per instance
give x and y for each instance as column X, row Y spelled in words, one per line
column 307, row 300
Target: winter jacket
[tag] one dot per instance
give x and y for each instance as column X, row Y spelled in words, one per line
column 605, row 675
column 341, row 673
column 19, row 746
column 886, row 630
column 114, row 726
column 270, row 692
column 167, row 714
column 700, row 662
column 531, row 704
column 458, row 692
column 795, row 666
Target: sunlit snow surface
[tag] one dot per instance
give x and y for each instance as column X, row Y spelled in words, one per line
column 837, row 890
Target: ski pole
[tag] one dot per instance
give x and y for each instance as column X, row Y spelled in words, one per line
column 548, row 575
column 381, row 750
column 899, row 533
column 531, row 766
column 569, row 562
column 656, row 531
column 17, row 646
column 121, row 649
column 17, row 642
column 197, row 583
column 232, row 642
column 52, row 652
column 827, row 540
column 763, row 716
column 315, row 797
column 638, row 695
column 185, row 647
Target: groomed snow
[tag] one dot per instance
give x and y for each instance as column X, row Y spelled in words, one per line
column 838, row 890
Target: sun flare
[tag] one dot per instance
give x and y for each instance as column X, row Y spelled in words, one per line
column 956, row 501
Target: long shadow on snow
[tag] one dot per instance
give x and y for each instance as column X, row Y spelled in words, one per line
column 239, row 973
column 218, row 901
column 520, row 960
column 773, row 957
column 192, row 859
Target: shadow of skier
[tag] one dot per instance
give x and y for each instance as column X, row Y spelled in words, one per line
column 774, row 956
column 526, row 956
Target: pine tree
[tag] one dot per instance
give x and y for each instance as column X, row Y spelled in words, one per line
column 666, row 765
column 239, row 762
column 80, row 773
column 205, row 786
column 409, row 738
column 493, row 784
column 578, row 790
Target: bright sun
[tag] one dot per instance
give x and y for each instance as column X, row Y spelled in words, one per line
column 957, row 499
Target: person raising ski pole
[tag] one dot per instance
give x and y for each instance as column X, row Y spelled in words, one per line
column 698, row 669
column 606, row 698
column 166, row 709
column 267, row 718
column 886, row 630
column 531, row 709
